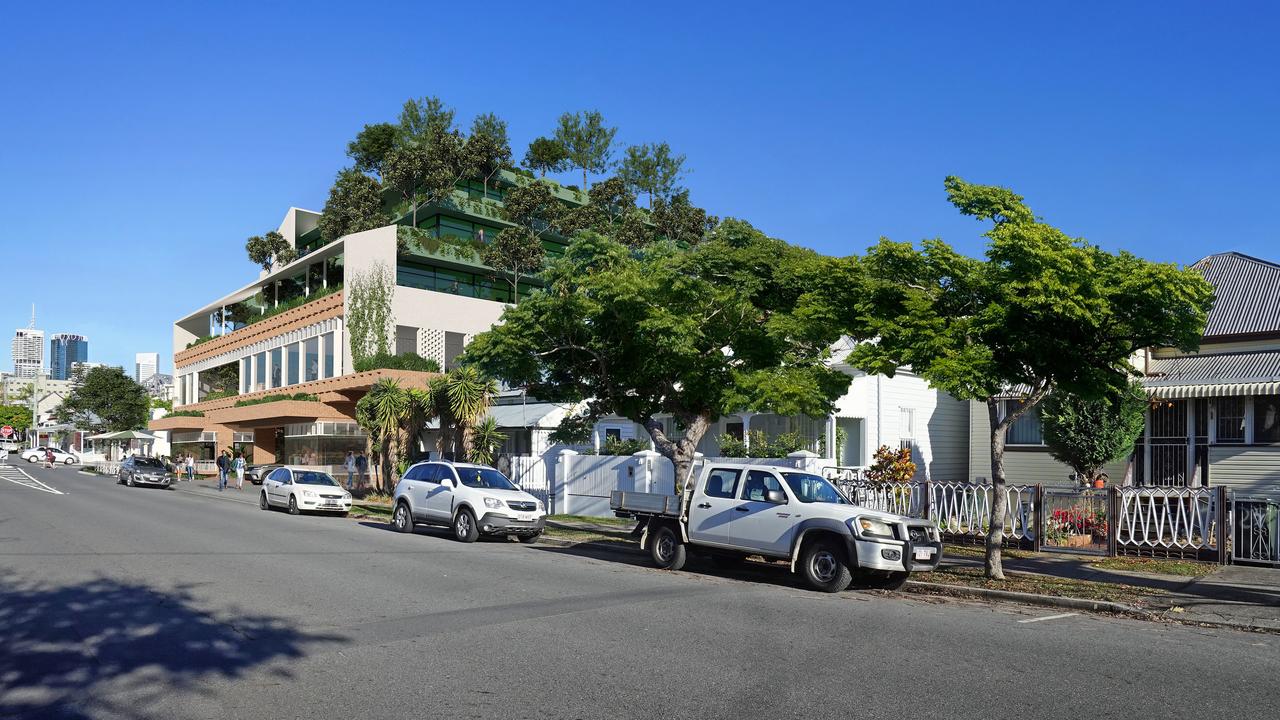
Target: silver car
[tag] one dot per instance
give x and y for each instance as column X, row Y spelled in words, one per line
column 139, row 470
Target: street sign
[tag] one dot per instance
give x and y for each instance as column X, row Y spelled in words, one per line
column 6, row 431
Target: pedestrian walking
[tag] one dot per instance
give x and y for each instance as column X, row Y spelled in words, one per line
column 362, row 466
column 239, row 468
column 224, row 465
column 349, row 464
column 48, row 458
column 191, row 467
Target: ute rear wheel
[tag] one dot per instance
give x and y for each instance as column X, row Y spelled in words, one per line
column 666, row 549
column 824, row 567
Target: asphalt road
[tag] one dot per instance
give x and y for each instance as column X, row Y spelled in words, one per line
column 123, row 602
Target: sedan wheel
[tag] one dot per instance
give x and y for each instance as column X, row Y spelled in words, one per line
column 69, row 461
column 128, row 480
column 293, row 506
column 262, row 501
column 32, row 459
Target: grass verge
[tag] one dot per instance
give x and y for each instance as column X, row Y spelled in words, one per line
column 576, row 535
column 977, row 551
column 1041, row 585
column 1159, row 566
column 620, row 522
column 377, row 512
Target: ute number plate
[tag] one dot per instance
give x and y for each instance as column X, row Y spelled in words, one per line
column 924, row 553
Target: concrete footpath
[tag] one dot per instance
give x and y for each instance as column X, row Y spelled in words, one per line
column 1233, row 595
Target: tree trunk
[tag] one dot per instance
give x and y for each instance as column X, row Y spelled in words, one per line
column 679, row 452
column 584, row 179
column 995, row 530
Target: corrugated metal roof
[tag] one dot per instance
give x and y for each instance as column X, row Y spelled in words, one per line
column 526, row 415
column 1247, row 291
column 1214, row 369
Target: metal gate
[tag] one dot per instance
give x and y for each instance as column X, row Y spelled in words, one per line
column 1168, row 445
column 1254, row 537
column 1076, row 521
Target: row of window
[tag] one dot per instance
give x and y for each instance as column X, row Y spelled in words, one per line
column 1229, row 416
column 305, row 361
column 455, row 282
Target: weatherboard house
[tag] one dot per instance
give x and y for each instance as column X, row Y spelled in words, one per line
column 1214, row 419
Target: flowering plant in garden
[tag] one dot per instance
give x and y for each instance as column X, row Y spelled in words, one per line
column 1077, row 521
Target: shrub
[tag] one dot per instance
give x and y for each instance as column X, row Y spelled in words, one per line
column 403, row 361
column 185, row 413
column 304, row 397
column 761, row 446
column 731, row 446
column 891, row 466
column 613, row 446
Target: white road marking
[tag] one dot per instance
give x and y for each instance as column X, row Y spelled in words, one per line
column 18, row 476
column 1049, row 617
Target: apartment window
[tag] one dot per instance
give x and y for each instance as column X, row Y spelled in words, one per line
column 277, row 368
column 312, row 358
column 1026, row 429
column 328, row 354
column 245, row 377
column 456, row 282
column 406, row 340
column 1266, row 419
column 1230, row 423
column 292, row 361
column 260, row 371
column 333, row 271
column 453, row 347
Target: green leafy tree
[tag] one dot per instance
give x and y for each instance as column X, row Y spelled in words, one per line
column 739, row 322
column 423, row 120
column 17, row 417
column 678, row 220
column 1044, row 312
column 461, row 398
column 516, row 253
column 546, row 155
column 587, row 141
column 382, row 413
column 106, row 401
column 651, row 169
column 486, row 439
column 1088, row 433
column 369, row 316
column 427, row 169
column 270, row 249
column 372, row 145
column 487, row 148
column 354, row 205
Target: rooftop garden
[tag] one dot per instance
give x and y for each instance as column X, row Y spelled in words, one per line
column 277, row 397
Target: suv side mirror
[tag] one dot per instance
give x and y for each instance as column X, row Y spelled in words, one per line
column 777, row 497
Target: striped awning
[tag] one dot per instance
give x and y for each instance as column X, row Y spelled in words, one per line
column 1176, row 392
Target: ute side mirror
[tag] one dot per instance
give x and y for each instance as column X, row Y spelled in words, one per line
column 777, row 497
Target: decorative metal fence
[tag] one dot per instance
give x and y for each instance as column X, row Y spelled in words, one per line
column 1152, row 522
column 1255, row 538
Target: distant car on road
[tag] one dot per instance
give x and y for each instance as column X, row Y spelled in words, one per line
column 471, row 499
column 256, row 473
column 35, row 455
column 140, row 470
column 303, row 490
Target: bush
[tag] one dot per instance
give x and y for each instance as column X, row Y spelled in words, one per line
column 185, row 413
column 613, row 446
column 731, row 446
column 403, row 361
column 891, row 466
column 761, row 446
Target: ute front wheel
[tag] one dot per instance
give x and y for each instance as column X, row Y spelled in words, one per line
column 824, row 567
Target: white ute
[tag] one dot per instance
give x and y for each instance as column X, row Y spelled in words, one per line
column 733, row 511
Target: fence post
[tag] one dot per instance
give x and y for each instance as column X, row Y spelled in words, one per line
column 1113, row 521
column 926, row 511
column 1037, row 538
column 1221, row 518
column 560, row 480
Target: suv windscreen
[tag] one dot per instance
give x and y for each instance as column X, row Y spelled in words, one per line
column 311, row 477
column 147, row 462
column 808, row 488
column 484, row 478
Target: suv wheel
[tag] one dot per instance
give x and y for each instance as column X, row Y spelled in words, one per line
column 464, row 526
column 824, row 567
column 262, row 500
column 666, row 549
column 402, row 519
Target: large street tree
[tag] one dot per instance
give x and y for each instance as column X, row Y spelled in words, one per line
column 270, row 249
column 740, row 322
column 546, row 155
column 1043, row 312
column 17, row 417
column 354, row 205
column 587, row 141
column 106, row 400
column 651, row 169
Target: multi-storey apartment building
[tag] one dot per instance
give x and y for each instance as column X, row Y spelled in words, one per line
column 285, row 332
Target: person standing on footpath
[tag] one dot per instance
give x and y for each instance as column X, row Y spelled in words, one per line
column 191, row 467
column 238, row 465
column 223, row 467
column 349, row 464
column 362, row 466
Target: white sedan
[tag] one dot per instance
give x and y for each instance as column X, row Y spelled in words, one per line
column 301, row 490
column 62, row 456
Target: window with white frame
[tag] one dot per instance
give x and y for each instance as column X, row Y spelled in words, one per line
column 1266, row 419
column 906, row 427
column 1230, row 419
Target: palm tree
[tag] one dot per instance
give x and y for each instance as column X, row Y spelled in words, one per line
column 485, row 440
column 460, row 399
column 385, row 412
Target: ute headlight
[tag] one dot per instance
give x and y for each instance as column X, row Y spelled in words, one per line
column 494, row 503
column 873, row 527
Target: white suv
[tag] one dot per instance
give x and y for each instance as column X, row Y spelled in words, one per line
column 472, row 499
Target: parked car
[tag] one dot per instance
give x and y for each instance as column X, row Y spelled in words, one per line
column 62, row 456
column 256, row 473
column 303, row 490
column 141, row 470
column 733, row 511
column 471, row 499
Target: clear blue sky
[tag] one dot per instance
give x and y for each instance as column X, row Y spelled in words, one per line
column 142, row 145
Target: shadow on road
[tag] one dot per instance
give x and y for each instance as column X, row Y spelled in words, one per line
column 104, row 647
column 753, row 571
